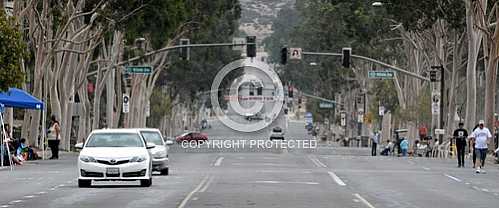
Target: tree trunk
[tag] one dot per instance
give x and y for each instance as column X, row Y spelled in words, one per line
column 474, row 41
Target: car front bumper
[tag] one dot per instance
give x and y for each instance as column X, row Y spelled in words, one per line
column 128, row 171
column 159, row 164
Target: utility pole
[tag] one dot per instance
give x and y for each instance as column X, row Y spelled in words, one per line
column 442, row 91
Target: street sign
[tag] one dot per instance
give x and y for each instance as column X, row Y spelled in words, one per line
column 435, row 102
column 326, row 105
column 126, row 105
column 139, row 69
column 295, row 53
column 381, row 110
column 241, row 41
column 343, row 119
column 439, row 131
column 381, row 74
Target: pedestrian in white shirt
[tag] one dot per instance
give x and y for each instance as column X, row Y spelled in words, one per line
column 481, row 135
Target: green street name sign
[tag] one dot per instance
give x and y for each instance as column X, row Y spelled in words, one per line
column 381, row 74
column 326, row 105
column 139, row 69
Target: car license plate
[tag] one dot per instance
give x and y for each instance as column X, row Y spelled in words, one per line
column 112, row 171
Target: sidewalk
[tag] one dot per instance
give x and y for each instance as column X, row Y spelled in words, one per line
column 63, row 156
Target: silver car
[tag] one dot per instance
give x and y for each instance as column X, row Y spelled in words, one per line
column 160, row 152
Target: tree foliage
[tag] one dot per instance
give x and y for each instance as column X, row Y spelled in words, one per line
column 12, row 51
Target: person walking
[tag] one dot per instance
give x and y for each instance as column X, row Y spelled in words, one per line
column 404, row 146
column 374, row 146
column 481, row 135
column 460, row 135
column 53, row 137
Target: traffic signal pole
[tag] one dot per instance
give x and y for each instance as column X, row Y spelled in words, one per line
column 408, row 73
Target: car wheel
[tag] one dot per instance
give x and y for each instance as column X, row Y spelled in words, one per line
column 84, row 183
column 164, row 171
column 146, row 182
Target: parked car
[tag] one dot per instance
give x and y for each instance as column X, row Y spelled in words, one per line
column 192, row 136
column 159, row 152
column 114, row 155
column 277, row 133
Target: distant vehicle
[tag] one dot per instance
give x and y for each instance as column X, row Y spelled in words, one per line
column 160, row 151
column 192, row 136
column 205, row 124
column 114, row 155
column 251, row 117
column 276, row 133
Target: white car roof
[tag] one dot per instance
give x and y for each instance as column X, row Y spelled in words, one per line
column 147, row 129
column 115, row 131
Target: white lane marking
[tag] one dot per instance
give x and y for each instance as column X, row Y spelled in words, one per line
column 426, row 168
column 4, row 206
column 364, row 201
column 186, row 199
column 453, row 178
column 336, row 179
column 476, row 188
column 207, row 184
column 219, row 161
column 317, row 162
column 195, row 198
column 29, row 196
column 41, row 192
column 287, row 182
column 15, row 201
column 485, row 190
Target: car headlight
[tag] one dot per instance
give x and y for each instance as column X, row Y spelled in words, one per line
column 138, row 159
column 159, row 154
column 87, row 159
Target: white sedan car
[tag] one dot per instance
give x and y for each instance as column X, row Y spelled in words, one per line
column 114, row 155
column 160, row 151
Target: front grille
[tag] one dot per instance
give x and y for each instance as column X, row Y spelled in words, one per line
column 135, row 174
column 85, row 173
column 112, row 175
column 108, row 162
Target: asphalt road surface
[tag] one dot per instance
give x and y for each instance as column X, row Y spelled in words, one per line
column 262, row 179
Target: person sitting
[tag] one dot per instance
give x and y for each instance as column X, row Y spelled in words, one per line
column 388, row 148
column 22, row 151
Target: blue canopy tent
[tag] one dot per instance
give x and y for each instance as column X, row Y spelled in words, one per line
column 17, row 98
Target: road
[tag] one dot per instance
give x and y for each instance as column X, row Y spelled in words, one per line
column 262, row 179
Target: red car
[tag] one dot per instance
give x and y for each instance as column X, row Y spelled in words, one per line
column 192, row 136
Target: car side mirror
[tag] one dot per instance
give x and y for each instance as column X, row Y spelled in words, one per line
column 79, row 146
column 150, row 145
column 168, row 142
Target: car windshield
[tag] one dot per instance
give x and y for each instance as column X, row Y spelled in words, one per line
column 152, row 137
column 115, row 140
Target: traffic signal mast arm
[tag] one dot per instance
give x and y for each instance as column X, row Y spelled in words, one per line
column 205, row 45
column 319, row 98
column 371, row 60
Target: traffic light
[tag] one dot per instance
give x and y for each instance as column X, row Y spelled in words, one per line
column 284, row 56
column 185, row 52
column 346, row 58
column 433, row 76
column 251, row 46
column 290, row 91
